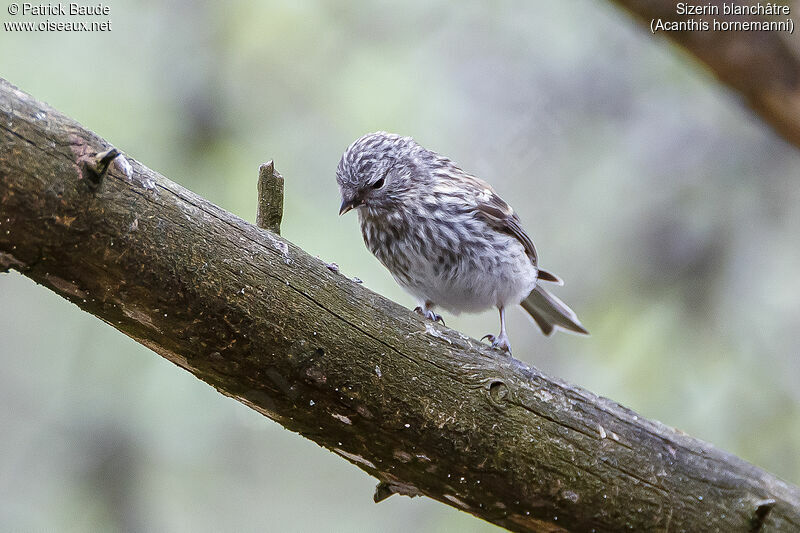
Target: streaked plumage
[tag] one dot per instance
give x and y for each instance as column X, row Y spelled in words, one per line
column 446, row 236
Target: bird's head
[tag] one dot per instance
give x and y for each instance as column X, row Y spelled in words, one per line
column 376, row 172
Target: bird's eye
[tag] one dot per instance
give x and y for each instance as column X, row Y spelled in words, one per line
column 378, row 184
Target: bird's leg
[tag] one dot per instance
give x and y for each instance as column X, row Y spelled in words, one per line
column 426, row 310
column 501, row 341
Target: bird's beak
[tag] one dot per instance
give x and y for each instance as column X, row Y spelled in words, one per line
column 348, row 204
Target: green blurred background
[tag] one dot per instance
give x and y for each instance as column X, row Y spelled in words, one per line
column 671, row 212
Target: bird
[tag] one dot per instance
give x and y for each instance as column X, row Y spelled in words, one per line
column 446, row 236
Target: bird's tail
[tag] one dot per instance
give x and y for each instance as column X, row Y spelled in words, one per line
column 549, row 312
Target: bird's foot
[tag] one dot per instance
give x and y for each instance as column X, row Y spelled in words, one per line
column 429, row 314
column 499, row 343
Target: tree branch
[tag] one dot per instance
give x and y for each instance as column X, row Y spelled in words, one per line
column 424, row 409
column 761, row 65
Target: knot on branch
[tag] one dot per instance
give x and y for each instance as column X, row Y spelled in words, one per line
column 8, row 261
column 384, row 489
column 94, row 168
column 763, row 508
column 499, row 394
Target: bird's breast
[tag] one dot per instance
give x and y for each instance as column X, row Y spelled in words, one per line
column 459, row 263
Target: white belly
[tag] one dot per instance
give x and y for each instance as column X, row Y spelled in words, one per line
column 468, row 270
column 500, row 281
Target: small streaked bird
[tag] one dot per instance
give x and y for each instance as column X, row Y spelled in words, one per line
column 446, row 236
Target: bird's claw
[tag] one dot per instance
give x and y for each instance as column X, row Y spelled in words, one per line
column 429, row 314
column 499, row 343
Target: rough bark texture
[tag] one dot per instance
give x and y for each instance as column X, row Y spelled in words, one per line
column 270, row 198
column 422, row 408
column 763, row 66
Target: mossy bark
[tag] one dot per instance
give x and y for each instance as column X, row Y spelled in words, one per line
column 424, row 409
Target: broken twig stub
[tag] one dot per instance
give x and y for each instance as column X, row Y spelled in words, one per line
column 270, row 198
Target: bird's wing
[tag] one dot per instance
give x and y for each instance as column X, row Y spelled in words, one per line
column 500, row 215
